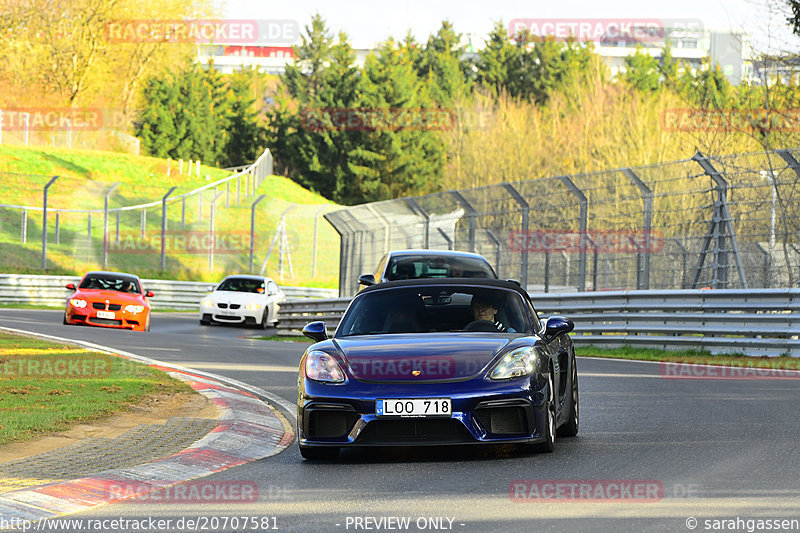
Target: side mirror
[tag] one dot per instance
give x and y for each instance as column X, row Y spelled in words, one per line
column 71, row 286
column 315, row 331
column 556, row 325
column 149, row 294
column 366, row 279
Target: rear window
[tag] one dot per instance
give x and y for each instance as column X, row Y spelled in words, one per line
column 415, row 267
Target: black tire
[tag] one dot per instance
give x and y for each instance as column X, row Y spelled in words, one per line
column 550, row 424
column 147, row 327
column 570, row 429
column 65, row 320
column 204, row 322
column 264, row 324
column 319, row 454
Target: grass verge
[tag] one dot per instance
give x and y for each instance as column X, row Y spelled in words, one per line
column 47, row 387
column 688, row 356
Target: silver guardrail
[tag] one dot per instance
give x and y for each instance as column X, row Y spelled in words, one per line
column 753, row 322
column 182, row 295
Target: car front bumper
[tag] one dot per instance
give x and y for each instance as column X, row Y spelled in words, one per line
column 483, row 412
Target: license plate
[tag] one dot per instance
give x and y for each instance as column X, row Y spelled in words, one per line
column 225, row 312
column 416, row 407
column 106, row 314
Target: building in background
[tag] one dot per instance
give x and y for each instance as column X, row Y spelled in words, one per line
column 731, row 51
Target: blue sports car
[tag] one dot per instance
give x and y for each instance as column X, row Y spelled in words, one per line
column 437, row 362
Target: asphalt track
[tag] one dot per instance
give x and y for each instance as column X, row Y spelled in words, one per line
column 721, row 453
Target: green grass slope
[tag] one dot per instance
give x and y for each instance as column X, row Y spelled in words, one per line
column 85, row 177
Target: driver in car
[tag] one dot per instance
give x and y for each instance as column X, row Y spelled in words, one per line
column 484, row 309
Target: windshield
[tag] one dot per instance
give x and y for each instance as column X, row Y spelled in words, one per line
column 110, row 282
column 435, row 309
column 416, row 266
column 242, row 285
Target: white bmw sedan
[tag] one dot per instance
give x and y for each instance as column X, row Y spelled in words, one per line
column 242, row 299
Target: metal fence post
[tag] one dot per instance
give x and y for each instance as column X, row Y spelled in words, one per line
column 314, row 244
column 116, row 230
column 89, row 231
column 471, row 214
column 525, row 208
column 24, row 229
column 44, row 222
column 183, row 212
column 253, row 228
column 211, row 234
column 105, row 223
column 418, row 209
column 58, row 228
column 144, row 222
column 164, row 229
column 582, row 228
column 720, row 229
column 643, row 260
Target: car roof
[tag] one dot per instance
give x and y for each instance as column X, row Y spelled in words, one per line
column 436, row 253
column 454, row 282
column 110, row 273
column 248, row 276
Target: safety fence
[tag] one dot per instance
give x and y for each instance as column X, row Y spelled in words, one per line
column 178, row 224
column 181, row 295
column 754, row 322
column 718, row 222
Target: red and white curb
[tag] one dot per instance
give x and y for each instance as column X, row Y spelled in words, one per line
column 248, row 429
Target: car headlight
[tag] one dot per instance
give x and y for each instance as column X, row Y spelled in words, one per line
column 520, row 362
column 77, row 302
column 252, row 307
column 321, row 366
column 135, row 309
column 208, row 303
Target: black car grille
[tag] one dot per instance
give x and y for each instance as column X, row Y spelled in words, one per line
column 235, row 306
column 111, row 307
column 506, row 417
column 108, row 321
column 328, row 421
column 443, row 431
column 222, row 306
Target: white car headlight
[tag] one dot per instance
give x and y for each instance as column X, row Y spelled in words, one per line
column 207, row 303
column 252, row 307
column 520, row 362
column 321, row 366
column 77, row 302
column 135, row 309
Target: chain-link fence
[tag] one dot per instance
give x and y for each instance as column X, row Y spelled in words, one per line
column 231, row 225
column 720, row 222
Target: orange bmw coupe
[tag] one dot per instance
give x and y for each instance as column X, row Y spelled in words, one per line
column 109, row 300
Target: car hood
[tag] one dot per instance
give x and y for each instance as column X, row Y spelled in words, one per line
column 236, row 297
column 419, row 357
column 99, row 295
